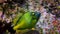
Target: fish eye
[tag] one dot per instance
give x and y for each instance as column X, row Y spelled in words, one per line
column 33, row 13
